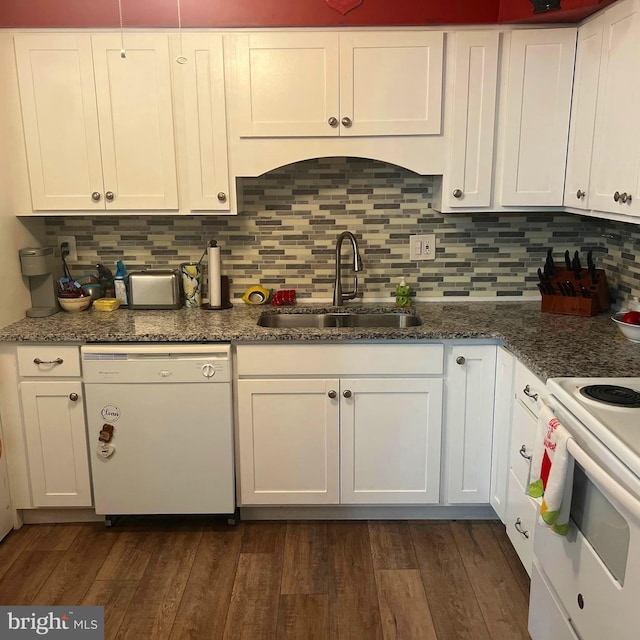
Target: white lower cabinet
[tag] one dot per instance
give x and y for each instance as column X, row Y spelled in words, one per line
column 56, row 440
column 469, row 422
column 390, row 440
column 288, row 441
column 339, row 424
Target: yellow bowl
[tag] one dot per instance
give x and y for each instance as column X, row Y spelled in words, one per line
column 106, row 304
column 73, row 305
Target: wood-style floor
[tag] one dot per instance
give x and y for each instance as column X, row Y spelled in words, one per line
column 198, row 579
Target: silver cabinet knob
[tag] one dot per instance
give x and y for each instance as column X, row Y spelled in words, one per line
column 222, row 196
column 332, row 394
column 624, row 197
column 333, row 122
column 95, row 196
column 346, row 393
column 73, row 397
column 346, row 122
column 457, row 193
column 616, row 196
column 523, row 452
column 109, row 195
column 580, row 194
column 461, row 360
column 519, row 529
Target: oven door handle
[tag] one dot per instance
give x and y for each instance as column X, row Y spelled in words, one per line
column 604, row 480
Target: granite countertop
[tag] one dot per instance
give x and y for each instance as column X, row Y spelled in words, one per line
column 551, row 345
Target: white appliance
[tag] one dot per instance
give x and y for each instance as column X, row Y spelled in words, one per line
column 587, row 585
column 160, row 428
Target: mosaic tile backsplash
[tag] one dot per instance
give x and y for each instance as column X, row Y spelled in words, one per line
column 285, row 234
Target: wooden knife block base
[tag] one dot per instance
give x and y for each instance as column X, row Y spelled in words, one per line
column 578, row 305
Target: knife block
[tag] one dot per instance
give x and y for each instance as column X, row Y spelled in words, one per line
column 578, row 305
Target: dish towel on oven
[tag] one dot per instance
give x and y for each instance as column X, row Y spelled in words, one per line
column 552, row 471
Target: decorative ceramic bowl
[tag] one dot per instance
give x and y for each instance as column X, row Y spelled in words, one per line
column 73, row 305
column 630, row 331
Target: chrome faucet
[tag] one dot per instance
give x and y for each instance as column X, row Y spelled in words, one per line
column 338, row 295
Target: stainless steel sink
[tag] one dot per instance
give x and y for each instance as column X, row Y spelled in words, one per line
column 330, row 320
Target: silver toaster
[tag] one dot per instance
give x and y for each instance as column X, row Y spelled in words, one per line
column 155, row 289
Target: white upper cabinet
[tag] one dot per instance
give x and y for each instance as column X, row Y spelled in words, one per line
column 468, row 181
column 536, row 119
column 616, row 148
column 310, row 84
column 583, row 114
column 98, row 127
column 200, row 81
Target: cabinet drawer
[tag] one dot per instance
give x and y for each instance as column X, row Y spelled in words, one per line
column 524, row 428
column 49, row 361
column 521, row 514
column 338, row 359
column 529, row 388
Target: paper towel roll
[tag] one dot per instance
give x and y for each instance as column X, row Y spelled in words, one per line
column 213, row 256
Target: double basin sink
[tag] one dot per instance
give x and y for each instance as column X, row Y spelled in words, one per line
column 339, row 319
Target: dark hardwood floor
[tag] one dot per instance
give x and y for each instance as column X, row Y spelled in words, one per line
column 178, row 579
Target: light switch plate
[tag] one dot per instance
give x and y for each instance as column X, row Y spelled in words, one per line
column 422, row 247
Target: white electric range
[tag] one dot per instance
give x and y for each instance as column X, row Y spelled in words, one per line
column 587, row 585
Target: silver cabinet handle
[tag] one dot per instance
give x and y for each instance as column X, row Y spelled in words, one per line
column 457, row 193
column 527, row 392
column 332, row 394
column 109, row 195
column 580, row 194
column 461, row 360
column 95, row 196
column 346, row 393
column 222, row 196
column 56, row 361
column 616, row 196
column 73, row 397
column 519, row 529
column 523, row 452
column 346, row 122
column 333, row 122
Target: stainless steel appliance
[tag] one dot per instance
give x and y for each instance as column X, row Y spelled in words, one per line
column 587, row 585
column 160, row 428
column 155, row 289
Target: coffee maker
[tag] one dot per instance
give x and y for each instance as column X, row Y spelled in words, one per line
column 38, row 264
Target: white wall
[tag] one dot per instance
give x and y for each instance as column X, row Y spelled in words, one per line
column 14, row 233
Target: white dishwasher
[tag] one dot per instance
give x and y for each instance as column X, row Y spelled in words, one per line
column 160, row 428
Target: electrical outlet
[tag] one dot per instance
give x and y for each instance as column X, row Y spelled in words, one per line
column 73, row 252
column 422, row 247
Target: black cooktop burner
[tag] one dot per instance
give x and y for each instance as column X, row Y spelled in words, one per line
column 612, row 394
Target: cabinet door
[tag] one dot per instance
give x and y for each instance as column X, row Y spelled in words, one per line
column 390, row 440
column 616, row 148
column 536, row 120
column 583, row 114
column 502, row 407
column 56, row 439
column 60, row 121
column 288, row 84
column 471, row 374
column 475, row 72
column 288, row 441
column 390, row 83
column 205, row 120
column 6, row 513
column 136, row 121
